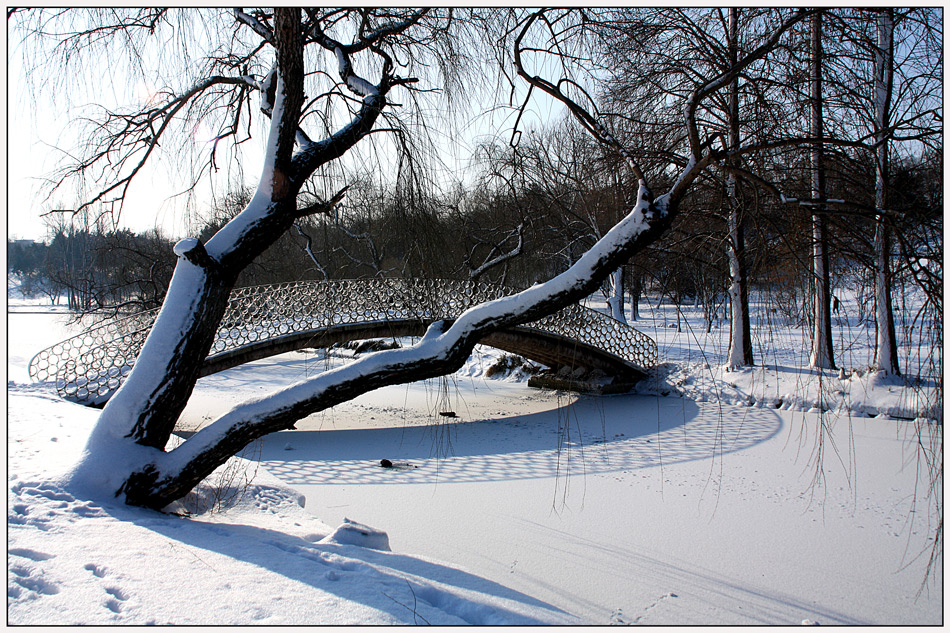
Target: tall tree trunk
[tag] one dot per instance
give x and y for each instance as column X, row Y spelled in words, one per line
column 886, row 353
column 636, row 289
column 822, row 354
column 740, row 340
column 616, row 296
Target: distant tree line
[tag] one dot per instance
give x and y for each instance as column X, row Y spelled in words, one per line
column 93, row 270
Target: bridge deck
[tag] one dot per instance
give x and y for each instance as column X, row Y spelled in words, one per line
column 263, row 321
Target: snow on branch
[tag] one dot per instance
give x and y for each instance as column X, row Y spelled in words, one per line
column 443, row 349
column 255, row 25
column 353, row 81
column 501, row 258
column 228, row 238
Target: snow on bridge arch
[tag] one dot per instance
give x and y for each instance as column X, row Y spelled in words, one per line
column 263, row 321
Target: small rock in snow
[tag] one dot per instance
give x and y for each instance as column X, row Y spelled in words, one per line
column 288, row 447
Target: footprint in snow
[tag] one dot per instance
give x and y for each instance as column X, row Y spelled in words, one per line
column 617, row 618
column 29, row 553
column 646, row 610
column 26, row 579
column 114, row 603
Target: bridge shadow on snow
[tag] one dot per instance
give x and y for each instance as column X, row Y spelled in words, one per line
column 592, row 435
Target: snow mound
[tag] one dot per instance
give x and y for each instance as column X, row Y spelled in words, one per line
column 353, row 533
column 861, row 392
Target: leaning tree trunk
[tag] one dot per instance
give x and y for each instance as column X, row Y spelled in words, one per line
column 822, row 354
column 886, row 353
column 443, row 349
column 146, row 407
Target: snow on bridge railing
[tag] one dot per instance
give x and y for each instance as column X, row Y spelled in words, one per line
column 90, row 366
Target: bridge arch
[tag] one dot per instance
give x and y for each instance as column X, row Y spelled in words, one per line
column 263, row 321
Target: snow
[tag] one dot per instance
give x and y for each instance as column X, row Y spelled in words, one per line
column 528, row 507
column 694, row 363
column 184, row 246
column 225, row 239
column 264, row 560
column 353, row 81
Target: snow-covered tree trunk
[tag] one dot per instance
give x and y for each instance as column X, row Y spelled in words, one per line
column 616, row 295
column 822, row 354
column 740, row 340
column 137, row 422
column 886, row 352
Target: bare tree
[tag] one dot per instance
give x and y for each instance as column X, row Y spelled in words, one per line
column 127, row 452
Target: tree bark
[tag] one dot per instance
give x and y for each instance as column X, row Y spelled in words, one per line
column 616, row 296
column 822, row 354
column 886, row 352
column 740, row 339
column 636, row 289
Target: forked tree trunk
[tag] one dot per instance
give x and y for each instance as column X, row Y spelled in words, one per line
column 143, row 412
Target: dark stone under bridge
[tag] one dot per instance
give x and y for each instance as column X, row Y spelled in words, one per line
column 263, row 321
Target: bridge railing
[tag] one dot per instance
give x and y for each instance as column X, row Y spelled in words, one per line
column 90, row 366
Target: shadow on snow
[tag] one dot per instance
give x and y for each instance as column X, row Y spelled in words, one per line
column 591, row 435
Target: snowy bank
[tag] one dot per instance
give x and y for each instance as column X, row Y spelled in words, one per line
column 262, row 560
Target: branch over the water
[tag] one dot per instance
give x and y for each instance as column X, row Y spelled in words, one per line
column 442, row 350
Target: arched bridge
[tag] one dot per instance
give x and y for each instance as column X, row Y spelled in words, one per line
column 263, row 321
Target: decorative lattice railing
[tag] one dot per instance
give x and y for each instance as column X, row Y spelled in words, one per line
column 90, row 366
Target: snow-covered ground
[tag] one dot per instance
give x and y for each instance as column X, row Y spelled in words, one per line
column 692, row 361
column 526, row 507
